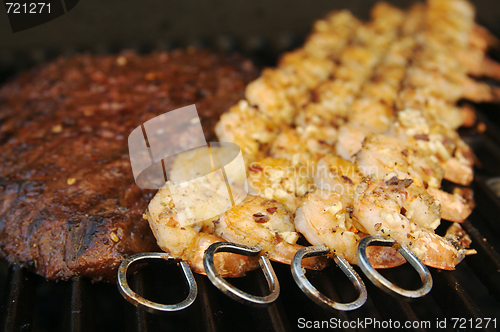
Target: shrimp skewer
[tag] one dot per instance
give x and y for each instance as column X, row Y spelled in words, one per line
column 387, row 154
column 448, row 29
column 267, row 223
column 190, row 242
column 324, row 219
column 358, row 60
column 375, row 114
column 380, row 206
column 247, row 127
column 275, row 178
column 279, row 92
column 439, row 142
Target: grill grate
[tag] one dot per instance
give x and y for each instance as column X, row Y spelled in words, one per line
column 30, row 303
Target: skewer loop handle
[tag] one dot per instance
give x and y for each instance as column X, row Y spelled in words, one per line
column 320, row 299
column 384, row 284
column 233, row 292
column 151, row 306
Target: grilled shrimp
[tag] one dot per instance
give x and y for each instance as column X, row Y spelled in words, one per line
column 311, row 71
column 446, row 55
column 481, row 38
column 335, row 97
column 280, row 91
column 342, row 22
column 190, row 242
column 384, row 205
column 480, row 92
column 359, row 59
column 372, row 113
column 384, row 153
column 331, row 34
column 456, row 207
column 275, row 178
column 269, row 94
column 324, row 219
column 479, row 65
column 267, row 223
column 319, row 116
column 247, row 127
column 336, row 174
column 386, row 17
column 438, row 140
column 434, row 109
column 383, row 29
column 350, row 140
column 304, row 146
column 452, row 86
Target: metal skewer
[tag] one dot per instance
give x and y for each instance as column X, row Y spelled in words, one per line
column 304, row 284
column 382, row 282
column 233, row 292
column 151, row 306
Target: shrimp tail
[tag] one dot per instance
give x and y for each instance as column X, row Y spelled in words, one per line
column 480, row 92
column 487, row 68
column 283, row 252
column 459, row 239
column 469, row 115
column 456, row 242
column 458, row 172
column 384, row 257
column 228, row 265
column 481, row 38
column 456, row 207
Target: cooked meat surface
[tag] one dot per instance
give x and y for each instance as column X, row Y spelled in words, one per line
column 68, row 201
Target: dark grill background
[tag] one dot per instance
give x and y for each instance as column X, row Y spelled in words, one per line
column 30, row 303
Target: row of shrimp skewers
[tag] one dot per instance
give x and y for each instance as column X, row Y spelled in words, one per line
column 300, row 73
column 351, row 135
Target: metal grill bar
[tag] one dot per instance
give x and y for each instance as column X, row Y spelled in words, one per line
column 332, row 292
column 453, row 299
column 19, row 300
column 209, row 307
column 389, row 307
column 487, row 263
column 76, row 305
column 275, row 313
column 140, row 320
column 488, row 204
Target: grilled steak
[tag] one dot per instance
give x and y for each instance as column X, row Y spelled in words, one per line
column 68, row 202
